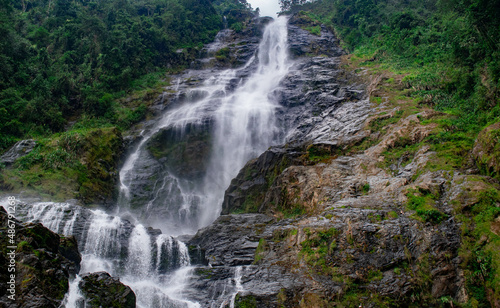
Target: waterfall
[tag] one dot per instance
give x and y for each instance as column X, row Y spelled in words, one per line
column 245, row 121
column 239, row 115
column 155, row 266
column 238, row 286
column 238, row 107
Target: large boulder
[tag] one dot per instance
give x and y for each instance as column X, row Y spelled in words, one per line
column 43, row 268
column 102, row 290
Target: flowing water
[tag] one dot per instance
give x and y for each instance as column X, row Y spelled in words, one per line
column 240, row 113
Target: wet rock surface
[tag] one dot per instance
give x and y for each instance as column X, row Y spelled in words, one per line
column 102, row 290
column 18, row 150
column 44, row 264
column 327, row 224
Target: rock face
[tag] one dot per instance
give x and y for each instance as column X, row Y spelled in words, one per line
column 101, row 151
column 332, row 226
column 18, row 150
column 102, row 290
column 44, row 264
column 326, row 114
column 486, row 150
column 234, row 48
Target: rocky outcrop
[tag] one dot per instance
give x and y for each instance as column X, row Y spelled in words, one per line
column 338, row 222
column 101, row 152
column 233, row 48
column 18, row 150
column 44, row 263
column 486, row 150
column 102, row 290
column 184, row 155
column 303, row 42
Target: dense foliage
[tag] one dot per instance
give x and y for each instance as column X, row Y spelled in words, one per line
column 452, row 46
column 225, row 6
column 63, row 58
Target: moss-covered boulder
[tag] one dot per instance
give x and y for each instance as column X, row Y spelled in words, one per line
column 102, row 290
column 102, row 149
column 81, row 163
column 486, row 150
column 42, row 271
column 185, row 154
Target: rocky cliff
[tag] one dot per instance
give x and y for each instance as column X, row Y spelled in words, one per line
column 333, row 218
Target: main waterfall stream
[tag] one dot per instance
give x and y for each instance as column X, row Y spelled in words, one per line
column 241, row 124
column 238, row 114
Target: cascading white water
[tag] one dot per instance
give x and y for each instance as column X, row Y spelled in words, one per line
column 139, row 253
column 55, row 218
column 245, row 121
column 242, row 127
column 157, row 267
column 237, row 281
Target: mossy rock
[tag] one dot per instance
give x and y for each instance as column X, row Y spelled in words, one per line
column 42, row 271
column 185, row 154
column 102, row 290
column 99, row 151
column 486, row 150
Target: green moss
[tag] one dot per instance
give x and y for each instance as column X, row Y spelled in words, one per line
column 366, row 188
column 318, row 153
column 316, row 30
column 317, row 247
column 422, row 202
column 374, row 275
column 259, row 251
column 223, row 54
column 245, row 301
column 392, row 214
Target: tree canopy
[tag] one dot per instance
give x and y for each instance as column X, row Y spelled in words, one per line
column 64, row 58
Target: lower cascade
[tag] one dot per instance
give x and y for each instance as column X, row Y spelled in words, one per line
column 237, row 107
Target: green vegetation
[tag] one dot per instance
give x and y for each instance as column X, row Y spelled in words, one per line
column 442, row 55
column 245, row 301
column 447, row 51
column 259, row 251
column 481, row 243
column 318, row 153
column 64, row 59
column 317, row 247
column 423, row 203
column 68, row 165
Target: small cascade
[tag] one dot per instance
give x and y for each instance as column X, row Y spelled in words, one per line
column 74, row 297
column 60, row 219
column 237, row 283
column 139, row 253
column 102, row 245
